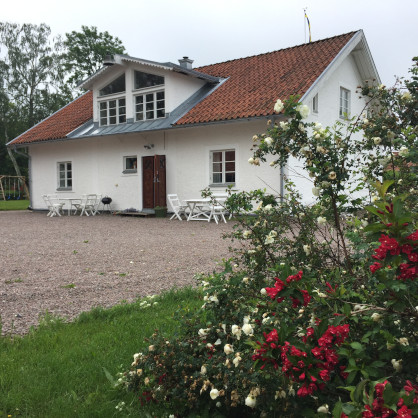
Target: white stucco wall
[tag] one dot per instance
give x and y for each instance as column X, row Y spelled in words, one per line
column 98, row 163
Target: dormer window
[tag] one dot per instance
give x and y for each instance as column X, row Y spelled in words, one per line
column 113, row 111
column 116, row 86
column 149, row 97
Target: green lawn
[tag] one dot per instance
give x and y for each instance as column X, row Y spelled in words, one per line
column 58, row 370
column 14, row 204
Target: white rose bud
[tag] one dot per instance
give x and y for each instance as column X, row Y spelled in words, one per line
column 248, row 329
column 376, row 317
column 250, row 401
column 324, row 409
column 214, row 393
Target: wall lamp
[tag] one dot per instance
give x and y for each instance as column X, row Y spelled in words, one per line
column 148, row 146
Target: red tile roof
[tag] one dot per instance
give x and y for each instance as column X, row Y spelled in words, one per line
column 252, row 87
column 60, row 123
column 255, row 83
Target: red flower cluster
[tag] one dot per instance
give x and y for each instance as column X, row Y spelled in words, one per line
column 408, row 271
column 379, row 410
column 280, row 285
column 312, row 369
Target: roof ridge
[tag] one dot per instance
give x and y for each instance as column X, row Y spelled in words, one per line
column 277, row 50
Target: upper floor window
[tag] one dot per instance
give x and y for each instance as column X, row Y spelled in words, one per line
column 116, row 86
column 315, row 106
column 112, row 112
column 65, row 175
column 150, row 106
column 145, row 80
column 222, row 167
column 344, row 103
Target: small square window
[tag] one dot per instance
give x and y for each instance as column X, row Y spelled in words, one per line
column 130, row 164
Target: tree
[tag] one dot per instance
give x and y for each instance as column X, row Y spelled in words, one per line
column 86, row 50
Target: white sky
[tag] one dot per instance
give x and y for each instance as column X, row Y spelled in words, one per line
column 211, row 31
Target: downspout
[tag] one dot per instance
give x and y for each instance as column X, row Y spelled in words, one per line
column 29, row 173
column 281, row 184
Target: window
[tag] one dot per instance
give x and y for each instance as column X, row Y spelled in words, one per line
column 144, row 80
column 130, row 164
column 222, row 167
column 315, row 104
column 116, row 86
column 150, row 106
column 65, row 176
column 112, row 112
column 344, row 103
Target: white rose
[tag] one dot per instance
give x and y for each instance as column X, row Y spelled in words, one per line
column 203, row 370
column 228, row 349
column 307, row 249
column 397, row 365
column 317, row 127
column 214, row 393
column 251, row 160
column 279, row 106
column 268, row 141
column 377, row 140
column 284, row 125
column 376, row 317
column 248, row 329
column 403, row 152
column 203, row 332
column 324, row 409
column 315, row 191
column 303, row 110
column 246, row 234
column 250, row 401
column 263, row 291
column 403, row 341
column 321, row 220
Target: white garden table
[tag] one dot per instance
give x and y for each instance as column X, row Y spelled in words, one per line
column 199, row 209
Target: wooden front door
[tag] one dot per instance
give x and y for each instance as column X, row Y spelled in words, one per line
column 153, row 181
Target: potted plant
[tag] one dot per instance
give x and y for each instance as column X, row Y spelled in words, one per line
column 160, row 211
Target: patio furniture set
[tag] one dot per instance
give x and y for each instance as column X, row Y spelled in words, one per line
column 202, row 209
column 87, row 205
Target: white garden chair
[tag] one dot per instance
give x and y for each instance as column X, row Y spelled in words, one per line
column 87, row 206
column 217, row 210
column 178, row 208
column 53, row 204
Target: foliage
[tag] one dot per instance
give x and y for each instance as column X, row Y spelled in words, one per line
column 317, row 311
column 86, row 50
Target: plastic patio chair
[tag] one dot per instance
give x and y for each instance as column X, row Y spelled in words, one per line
column 178, row 208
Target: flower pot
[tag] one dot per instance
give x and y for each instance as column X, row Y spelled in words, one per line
column 160, row 212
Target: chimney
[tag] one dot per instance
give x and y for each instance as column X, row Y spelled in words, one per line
column 186, row 63
column 108, row 60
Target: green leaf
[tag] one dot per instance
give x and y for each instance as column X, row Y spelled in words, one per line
column 359, row 391
column 338, row 409
column 356, row 345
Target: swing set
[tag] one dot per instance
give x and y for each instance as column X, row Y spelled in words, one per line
column 13, row 188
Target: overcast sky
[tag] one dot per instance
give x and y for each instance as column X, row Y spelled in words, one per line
column 211, row 31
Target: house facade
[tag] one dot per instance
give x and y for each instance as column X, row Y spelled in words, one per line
column 145, row 129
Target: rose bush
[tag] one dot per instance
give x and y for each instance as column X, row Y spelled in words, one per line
column 316, row 313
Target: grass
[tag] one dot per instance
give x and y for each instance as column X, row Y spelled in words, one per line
column 59, row 369
column 14, row 204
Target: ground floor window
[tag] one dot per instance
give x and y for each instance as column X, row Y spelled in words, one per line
column 130, row 164
column 65, row 175
column 222, row 167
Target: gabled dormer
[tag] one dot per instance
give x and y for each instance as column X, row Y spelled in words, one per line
column 132, row 90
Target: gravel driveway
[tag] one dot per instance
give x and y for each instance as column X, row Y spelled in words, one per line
column 68, row 265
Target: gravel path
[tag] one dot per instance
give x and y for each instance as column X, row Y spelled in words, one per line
column 70, row 264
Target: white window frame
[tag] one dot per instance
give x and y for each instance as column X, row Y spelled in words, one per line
column 315, row 104
column 143, row 93
column 223, row 167
column 67, row 179
column 345, row 103
column 127, row 170
column 118, row 114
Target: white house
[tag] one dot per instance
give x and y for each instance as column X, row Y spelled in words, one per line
column 144, row 129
